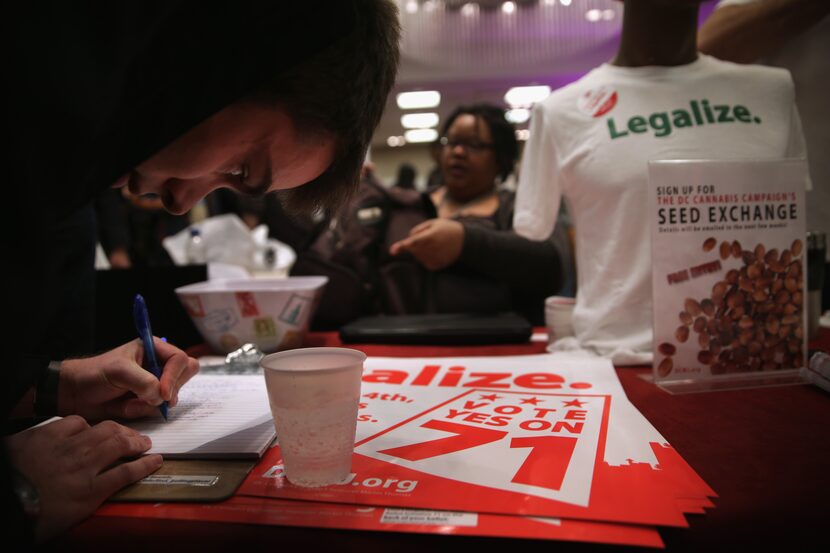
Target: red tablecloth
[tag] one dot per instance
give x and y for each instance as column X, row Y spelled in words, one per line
column 765, row 451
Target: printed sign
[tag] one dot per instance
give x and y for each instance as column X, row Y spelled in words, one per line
column 728, row 258
column 541, row 435
column 532, row 442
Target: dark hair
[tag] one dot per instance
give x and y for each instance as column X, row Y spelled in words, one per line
column 406, row 176
column 506, row 147
column 341, row 91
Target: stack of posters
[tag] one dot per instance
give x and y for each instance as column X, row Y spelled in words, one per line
column 535, row 446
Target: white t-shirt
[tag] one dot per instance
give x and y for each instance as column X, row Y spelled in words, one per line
column 805, row 57
column 590, row 142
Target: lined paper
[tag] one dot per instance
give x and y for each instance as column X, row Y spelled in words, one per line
column 217, row 417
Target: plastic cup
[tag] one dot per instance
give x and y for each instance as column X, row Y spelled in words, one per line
column 558, row 312
column 314, row 395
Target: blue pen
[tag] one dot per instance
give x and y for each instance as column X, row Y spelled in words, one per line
column 142, row 325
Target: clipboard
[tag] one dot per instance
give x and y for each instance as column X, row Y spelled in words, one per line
column 188, row 480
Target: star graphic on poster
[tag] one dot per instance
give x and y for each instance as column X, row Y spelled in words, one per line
column 531, row 401
column 491, row 397
column 574, row 403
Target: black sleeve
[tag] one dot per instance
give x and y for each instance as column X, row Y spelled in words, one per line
column 112, row 220
column 517, row 261
column 26, row 371
column 16, row 527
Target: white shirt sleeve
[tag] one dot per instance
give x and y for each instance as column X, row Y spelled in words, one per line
column 538, row 195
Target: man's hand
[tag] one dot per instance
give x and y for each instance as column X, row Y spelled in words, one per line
column 114, row 384
column 436, row 243
column 73, row 467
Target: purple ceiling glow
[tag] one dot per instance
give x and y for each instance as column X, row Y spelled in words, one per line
column 535, row 40
column 473, row 55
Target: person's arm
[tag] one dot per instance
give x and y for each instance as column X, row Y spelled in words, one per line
column 110, row 385
column 73, row 467
column 114, row 384
column 497, row 254
column 745, row 32
column 517, row 261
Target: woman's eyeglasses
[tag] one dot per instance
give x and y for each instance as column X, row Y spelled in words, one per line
column 470, row 146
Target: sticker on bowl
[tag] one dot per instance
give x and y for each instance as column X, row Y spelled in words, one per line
column 220, row 320
column 247, row 304
column 597, row 101
column 229, row 342
column 293, row 309
column 265, row 327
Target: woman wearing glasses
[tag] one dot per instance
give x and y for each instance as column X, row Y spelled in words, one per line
column 475, row 261
column 448, row 250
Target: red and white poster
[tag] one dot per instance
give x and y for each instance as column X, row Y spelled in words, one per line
column 544, row 435
column 267, row 511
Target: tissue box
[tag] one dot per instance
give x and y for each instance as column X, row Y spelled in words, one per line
column 273, row 314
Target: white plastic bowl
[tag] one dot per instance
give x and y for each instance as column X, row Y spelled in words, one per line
column 273, row 314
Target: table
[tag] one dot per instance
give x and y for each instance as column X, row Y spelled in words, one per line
column 765, row 451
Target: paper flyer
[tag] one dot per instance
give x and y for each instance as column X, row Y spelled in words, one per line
column 728, row 258
column 218, row 417
column 548, row 435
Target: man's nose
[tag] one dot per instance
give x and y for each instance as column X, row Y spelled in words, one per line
column 181, row 199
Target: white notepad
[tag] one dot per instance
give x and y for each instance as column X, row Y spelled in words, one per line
column 217, row 417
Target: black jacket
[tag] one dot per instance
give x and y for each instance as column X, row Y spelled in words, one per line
column 497, row 270
column 97, row 88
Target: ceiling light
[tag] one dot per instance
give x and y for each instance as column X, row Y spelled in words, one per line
column 419, row 120
column 421, row 135
column 419, row 99
column 522, row 134
column 412, row 6
column 593, row 15
column 550, row 2
column 526, row 96
column 508, row 7
column 608, row 14
column 517, row 116
column 565, row 2
column 469, row 10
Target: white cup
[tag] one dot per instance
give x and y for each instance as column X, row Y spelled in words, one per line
column 558, row 312
column 314, row 395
